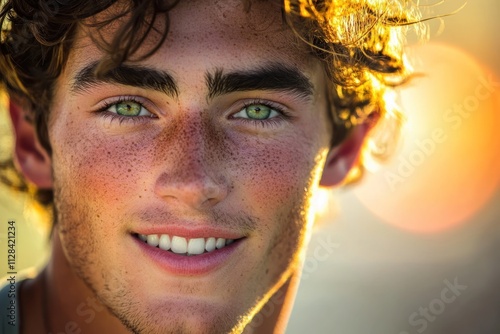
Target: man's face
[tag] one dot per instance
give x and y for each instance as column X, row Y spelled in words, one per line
column 213, row 144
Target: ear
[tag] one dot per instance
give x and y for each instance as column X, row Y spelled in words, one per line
column 29, row 155
column 342, row 158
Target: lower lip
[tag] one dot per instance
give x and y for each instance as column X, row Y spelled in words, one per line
column 193, row 265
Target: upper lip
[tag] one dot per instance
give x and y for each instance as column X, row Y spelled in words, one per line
column 190, row 232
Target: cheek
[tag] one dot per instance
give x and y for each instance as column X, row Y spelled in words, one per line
column 274, row 174
column 273, row 180
column 96, row 181
column 100, row 172
column 277, row 178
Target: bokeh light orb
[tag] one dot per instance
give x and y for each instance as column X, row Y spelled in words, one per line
column 447, row 165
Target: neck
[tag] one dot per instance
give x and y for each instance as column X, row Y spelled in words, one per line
column 274, row 315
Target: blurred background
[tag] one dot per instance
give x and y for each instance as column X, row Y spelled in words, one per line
column 413, row 248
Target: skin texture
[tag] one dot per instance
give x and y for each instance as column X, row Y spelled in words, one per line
column 194, row 163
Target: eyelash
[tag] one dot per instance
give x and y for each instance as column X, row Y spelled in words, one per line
column 275, row 121
column 105, row 114
column 270, row 122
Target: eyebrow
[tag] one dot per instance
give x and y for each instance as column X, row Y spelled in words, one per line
column 129, row 75
column 276, row 77
column 269, row 77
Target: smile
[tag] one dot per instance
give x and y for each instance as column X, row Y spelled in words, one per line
column 185, row 246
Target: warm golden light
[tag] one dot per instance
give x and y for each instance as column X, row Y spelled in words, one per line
column 448, row 164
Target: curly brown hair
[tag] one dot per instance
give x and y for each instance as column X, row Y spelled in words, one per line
column 359, row 41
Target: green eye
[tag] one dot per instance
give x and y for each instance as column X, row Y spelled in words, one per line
column 128, row 108
column 258, row 111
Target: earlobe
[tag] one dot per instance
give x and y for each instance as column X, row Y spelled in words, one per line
column 30, row 157
column 342, row 158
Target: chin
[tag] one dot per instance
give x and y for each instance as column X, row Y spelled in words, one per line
column 192, row 318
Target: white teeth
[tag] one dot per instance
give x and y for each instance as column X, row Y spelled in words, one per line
column 221, row 242
column 196, row 246
column 164, row 242
column 210, row 244
column 153, row 240
column 179, row 245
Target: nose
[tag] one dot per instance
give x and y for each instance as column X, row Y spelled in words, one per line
column 193, row 177
column 190, row 185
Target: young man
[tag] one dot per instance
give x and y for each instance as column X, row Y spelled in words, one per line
column 182, row 144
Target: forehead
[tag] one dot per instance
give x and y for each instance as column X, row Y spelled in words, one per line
column 224, row 34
